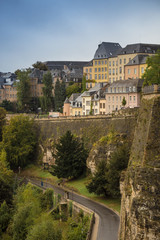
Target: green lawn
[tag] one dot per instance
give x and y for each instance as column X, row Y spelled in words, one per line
column 77, row 185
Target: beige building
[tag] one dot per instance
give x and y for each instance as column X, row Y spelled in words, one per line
column 128, row 89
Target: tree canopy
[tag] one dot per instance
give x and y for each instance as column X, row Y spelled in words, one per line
column 23, row 90
column 41, row 66
column 47, row 98
column 152, row 72
column 74, row 88
column 19, row 140
column 60, row 95
column 70, row 157
column 2, row 120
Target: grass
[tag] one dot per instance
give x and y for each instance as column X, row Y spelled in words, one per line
column 77, row 185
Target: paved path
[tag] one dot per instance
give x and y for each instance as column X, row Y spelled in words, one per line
column 108, row 220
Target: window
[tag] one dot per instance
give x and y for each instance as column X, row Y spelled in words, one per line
column 124, row 61
column 95, row 69
column 90, row 76
column 83, row 100
column 120, row 61
column 99, row 69
column 120, row 98
column 105, row 61
column 113, row 71
column 102, row 76
column 109, row 99
column 142, row 70
column 88, row 103
column 95, row 76
column 130, row 98
column 129, row 71
column 99, row 76
column 90, row 85
column 134, row 98
column 84, row 107
column 109, row 71
column 117, row 98
column 103, row 105
column 102, row 69
column 90, row 70
column 96, row 111
column 135, row 70
column 102, row 62
column 120, row 70
column 100, row 105
column 95, row 103
column 105, row 69
column 105, row 76
column 113, row 98
column 86, row 70
column 99, row 62
column 117, row 63
column 116, row 71
column 109, row 63
column 95, row 62
column 113, row 107
column 113, row 63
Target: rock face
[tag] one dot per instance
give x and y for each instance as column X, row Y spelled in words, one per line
column 140, row 208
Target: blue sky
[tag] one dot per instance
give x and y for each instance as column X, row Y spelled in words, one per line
column 50, row 30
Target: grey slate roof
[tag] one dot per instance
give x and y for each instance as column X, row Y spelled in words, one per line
column 74, row 96
column 67, row 100
column 69, row 64
column 140, row 48
column 107, row 49
column 139, row 59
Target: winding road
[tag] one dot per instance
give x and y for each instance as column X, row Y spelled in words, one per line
column 108, row 220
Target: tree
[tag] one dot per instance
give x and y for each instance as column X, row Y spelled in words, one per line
column 8, row 105
column 74, row 88
column 47, row 99
column 6, row 179
column 2, row 120
column 152, row 72
column 98, row 182
column 124, row 102
column 23, row 90
column 20, row 141
column 106, row 180
column 45, row 230
column 84, row 83
column 70, row 157
column 5, row 217
column 60, row 95
column 41, row 66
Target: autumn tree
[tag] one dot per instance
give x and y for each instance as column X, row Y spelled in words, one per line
column 152, row 72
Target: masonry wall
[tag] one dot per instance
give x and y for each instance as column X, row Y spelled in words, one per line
column 140, row 185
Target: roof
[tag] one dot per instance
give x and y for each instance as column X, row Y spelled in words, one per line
column 74, row 96
column 67, row 100
column 107, row 49
column 61, row 64
column 127, row 83
column 140, row 48
column 137, row 60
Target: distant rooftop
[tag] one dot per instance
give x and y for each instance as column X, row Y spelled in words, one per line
column 140, row 48
column 107, row 49
column 139, row 59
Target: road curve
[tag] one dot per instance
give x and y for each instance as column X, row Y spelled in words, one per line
column 108, row 220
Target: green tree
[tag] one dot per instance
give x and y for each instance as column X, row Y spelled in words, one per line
column 5, row 216
column 23, row 90
column 8, row 105
column 124, row 102
column 45, row 230
column 118, row 162
column 41, row 66
column 84, row 83
column 20, row 140
column 6, row 179
column 60, row 95
column 74, row 88
column 99, row 180
column 70, row 157
column 47, row 99
column 2, row 120
column 152, row 72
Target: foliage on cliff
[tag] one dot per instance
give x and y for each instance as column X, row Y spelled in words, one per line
column 152, row 72
column 70, row 157
column 107, row 176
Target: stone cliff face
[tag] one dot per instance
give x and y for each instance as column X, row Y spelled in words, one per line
column 140, row 209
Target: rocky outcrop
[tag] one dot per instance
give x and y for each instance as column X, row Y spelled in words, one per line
column 140, row 208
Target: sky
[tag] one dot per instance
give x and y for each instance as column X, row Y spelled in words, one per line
column 58, row 30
